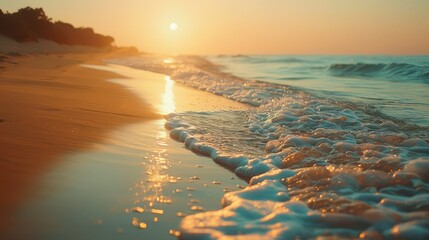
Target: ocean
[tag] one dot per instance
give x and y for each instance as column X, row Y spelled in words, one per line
column 396, row 86
column 334, row 146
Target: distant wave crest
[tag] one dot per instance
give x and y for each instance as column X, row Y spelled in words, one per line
column 258, row 59
column 276, row 60
column 393, row 71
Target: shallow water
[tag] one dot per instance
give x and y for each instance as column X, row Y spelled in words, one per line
column 330, row 164
column 397, row 86
column 138, row 184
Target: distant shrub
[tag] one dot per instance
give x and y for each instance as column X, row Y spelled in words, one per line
column 31, row 24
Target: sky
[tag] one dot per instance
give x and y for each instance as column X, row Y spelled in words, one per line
column 394, row 27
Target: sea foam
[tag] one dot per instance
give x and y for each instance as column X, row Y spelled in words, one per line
column 316, row 168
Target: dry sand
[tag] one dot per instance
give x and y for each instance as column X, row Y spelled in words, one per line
column 50, row 105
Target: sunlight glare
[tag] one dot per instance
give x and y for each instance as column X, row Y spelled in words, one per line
column 168, row 103
column 173, row 26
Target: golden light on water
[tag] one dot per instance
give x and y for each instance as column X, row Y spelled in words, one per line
column 168, row 60
column 150, row 196
column 168, row 105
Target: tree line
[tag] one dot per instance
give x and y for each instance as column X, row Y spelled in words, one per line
column 31, row 24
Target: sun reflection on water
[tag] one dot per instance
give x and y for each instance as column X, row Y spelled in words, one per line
column 169, row 189
column 168, row 103
column 151, row 197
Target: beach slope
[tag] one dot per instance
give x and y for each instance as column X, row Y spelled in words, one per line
column 51, row 105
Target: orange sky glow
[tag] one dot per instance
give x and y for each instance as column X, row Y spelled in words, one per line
column 251, row 26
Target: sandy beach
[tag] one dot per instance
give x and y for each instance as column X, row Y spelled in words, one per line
column 51, row 105
column 214, row 120
column 57, row 102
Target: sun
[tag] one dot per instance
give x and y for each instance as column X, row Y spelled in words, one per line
column 173, row 26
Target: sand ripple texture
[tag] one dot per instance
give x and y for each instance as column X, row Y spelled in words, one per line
column 316, row 168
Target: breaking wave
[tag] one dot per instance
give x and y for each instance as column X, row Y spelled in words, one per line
column 316, row 168
column 257, row 60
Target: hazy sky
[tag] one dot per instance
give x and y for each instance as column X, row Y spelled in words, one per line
column 251, row 26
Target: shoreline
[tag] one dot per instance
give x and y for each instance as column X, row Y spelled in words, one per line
column 123, row 160
column 50, row 106
column 312, row 145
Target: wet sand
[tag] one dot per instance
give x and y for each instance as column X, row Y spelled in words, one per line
column 136, row 182
column 50, row 106
column 53, row 105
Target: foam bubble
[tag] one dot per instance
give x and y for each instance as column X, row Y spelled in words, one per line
column 341, row 170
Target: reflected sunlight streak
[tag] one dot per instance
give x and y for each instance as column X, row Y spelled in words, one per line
column 168, row 105
column 150, row 196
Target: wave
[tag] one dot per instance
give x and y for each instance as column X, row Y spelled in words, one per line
column 233, row 56
column 311, row 163
column 277, row 60
column 293, row 78
column 259, row 59
column 391, row 71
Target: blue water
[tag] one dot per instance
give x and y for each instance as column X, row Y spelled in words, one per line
column 397, row 86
